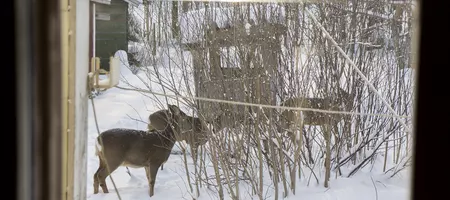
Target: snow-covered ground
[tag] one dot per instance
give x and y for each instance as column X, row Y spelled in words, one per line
column 129, row 109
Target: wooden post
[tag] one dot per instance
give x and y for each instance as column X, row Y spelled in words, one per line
column 65, row 23
column 79, row 60
column 76, row 44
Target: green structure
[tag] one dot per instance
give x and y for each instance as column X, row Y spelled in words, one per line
column 111, row 28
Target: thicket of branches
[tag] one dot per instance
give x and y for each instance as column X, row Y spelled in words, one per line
column 376, row 35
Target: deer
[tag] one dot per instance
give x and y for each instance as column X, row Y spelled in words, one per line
column 136, row 148
column 290, row 120
column 230, row 120
column 192, row 130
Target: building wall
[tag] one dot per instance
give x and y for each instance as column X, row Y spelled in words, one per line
column 81, row 98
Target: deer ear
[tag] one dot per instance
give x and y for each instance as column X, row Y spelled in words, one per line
column 174, row 109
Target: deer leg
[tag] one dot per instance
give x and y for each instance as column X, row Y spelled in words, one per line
column 291, row 136
column 308, row 146
column 105, row 172
column 153, row 170
column 202, row 163
column 338, row 141
column 101, row 167
column 194, row 156
column 147, row 173
column 194, row 153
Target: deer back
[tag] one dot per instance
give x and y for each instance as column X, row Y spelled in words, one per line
column 135, row 148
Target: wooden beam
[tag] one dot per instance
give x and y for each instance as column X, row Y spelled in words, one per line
column 107, row 2
column 71, row 101
column 65, row 94
column 134, row 2
column 75, row 49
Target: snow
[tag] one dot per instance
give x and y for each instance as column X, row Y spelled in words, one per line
column 115, row 108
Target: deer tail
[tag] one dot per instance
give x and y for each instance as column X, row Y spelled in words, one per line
column 98, row 147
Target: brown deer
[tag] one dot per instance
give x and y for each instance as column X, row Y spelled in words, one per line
column 136, row 148
column 289, row 118
column 193, row 130
column 230, row 120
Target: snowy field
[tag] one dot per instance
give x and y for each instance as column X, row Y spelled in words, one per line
column 117, row 108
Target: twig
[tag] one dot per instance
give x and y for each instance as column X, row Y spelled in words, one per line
column 138, row 120
column 376, row 191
